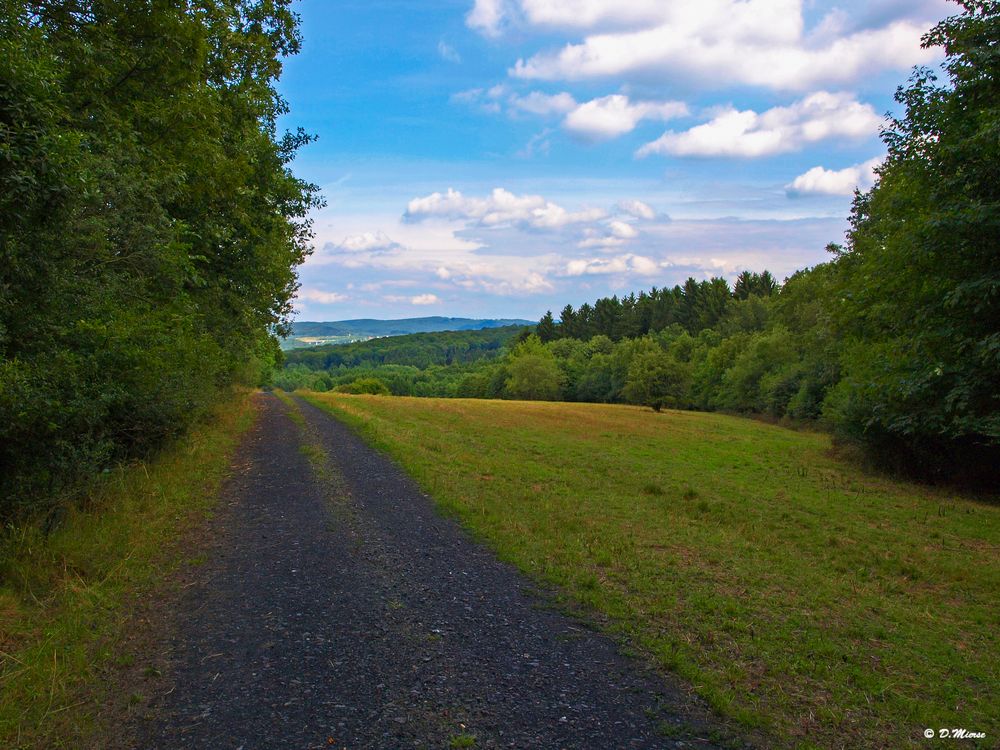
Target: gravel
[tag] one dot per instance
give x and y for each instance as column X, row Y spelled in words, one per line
column 337, row 609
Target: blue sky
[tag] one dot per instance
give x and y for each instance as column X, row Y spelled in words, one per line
column 498, row 158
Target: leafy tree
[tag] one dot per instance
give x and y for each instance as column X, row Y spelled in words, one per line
column 655, row 379
column 568, row 323
column 533, row 374
column 149, row 225
column 921, row 271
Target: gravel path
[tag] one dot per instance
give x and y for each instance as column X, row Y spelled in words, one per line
column 337, row 609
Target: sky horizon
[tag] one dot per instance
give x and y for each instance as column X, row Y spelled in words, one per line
column 501, row 158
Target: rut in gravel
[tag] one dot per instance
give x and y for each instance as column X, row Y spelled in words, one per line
column 338, row 609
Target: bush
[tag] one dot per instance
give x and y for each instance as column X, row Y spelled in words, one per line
column 371, row 386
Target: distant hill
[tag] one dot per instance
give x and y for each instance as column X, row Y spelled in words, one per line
column 309, row 333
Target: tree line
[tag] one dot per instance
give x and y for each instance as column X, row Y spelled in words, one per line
column 419, row 364
column 149, row 225
column 894, row 343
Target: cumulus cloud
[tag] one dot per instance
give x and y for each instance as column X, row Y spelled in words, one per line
column 425, row 299
column 595, row 120
column 610, row 234
column 367, row 242
column 612, row 116
column 500, row 208
column 778, row 130
column 619, row 264
column 318, row 295
column 715, row 42
column 637, row 209
column 622, row 229
column 821, row 181
column 487, row 17
column 538, row 103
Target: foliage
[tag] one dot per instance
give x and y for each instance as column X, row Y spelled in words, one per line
column 533, row 374
column 655, row 379
column 149, row 225
column 448, row 363
column 372, row 386
column 921, row 272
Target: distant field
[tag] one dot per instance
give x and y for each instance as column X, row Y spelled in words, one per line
column 795, row 593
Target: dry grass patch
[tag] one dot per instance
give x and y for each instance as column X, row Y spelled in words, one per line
column 64, row 614
column 796, row 593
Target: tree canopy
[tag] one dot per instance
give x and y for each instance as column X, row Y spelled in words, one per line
column 149, row 224
column 920, row 276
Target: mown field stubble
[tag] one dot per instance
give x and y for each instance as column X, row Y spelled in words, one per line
column 794, row 592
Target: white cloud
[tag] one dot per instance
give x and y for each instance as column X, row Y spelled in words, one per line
column 538, row 103
column 448, row 53
column 821, row 181
column 612, row 234
column 599, row 240
column 612, row 116
column 318, row 295
column 636, row 208
column 487, row 17
column 746, row 133
column 595, row 120
column 370, row 242
column 619, row 264
column 500, row 208
column 425, row 299
column 622, row 229
column 712, row 42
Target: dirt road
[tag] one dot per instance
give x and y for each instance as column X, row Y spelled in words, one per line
column 336, row 608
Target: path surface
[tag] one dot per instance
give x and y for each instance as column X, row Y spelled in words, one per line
column 337, row 609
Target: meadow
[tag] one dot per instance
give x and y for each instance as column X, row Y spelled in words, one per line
column 821, row 605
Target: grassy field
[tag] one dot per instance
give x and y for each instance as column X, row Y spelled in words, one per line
column 828, row 607
column 66, row 598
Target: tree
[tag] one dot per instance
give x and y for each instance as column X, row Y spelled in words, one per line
column 655, row 379
column 533, row 374
column 921, row 271
column 150, row 225
column 546, row 328
column 567, row 322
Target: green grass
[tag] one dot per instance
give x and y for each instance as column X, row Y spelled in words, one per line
column 65, row 598
column 828, row 607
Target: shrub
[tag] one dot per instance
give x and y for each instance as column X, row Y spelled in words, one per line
column 371, row 386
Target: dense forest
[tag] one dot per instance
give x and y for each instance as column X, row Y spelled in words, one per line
column 420, row 364
column 894, row 343
column 149, row 226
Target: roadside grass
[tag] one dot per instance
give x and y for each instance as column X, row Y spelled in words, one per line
column 64, row 597
column 826, row 606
